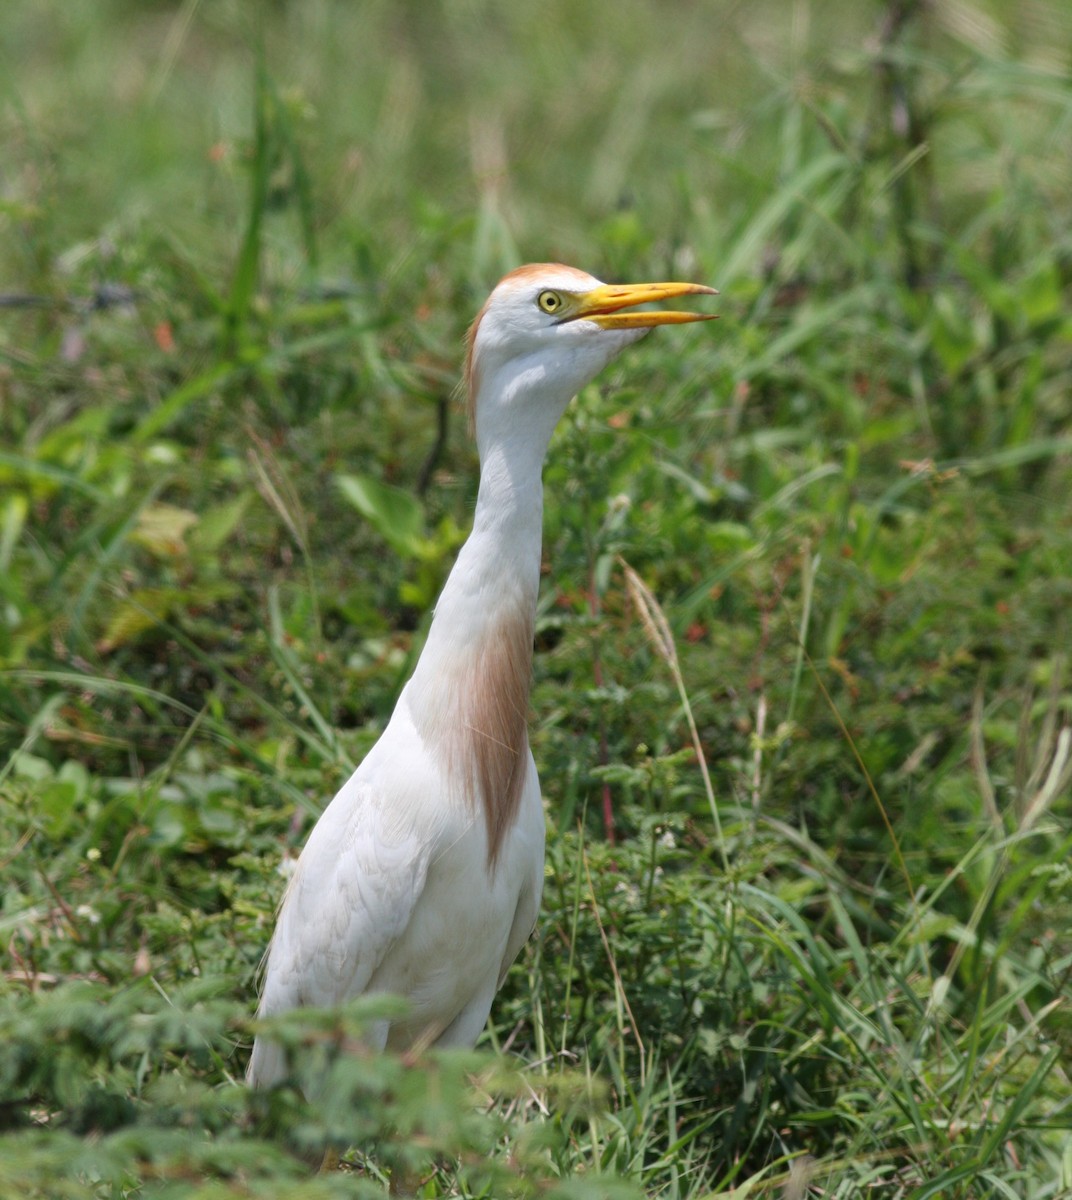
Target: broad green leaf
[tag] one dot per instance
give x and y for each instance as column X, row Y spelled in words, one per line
column 140, row 612
column 396, row 516
column 216, row 525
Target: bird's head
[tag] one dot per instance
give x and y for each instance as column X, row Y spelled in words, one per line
column 546, row 331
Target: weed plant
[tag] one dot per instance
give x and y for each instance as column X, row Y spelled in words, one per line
column 802, row 701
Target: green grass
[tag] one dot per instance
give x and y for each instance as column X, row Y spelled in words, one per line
column 239, row 245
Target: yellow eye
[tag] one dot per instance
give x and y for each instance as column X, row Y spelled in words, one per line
column 550, row 302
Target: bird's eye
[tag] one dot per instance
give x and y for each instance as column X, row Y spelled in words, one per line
column 550, row 302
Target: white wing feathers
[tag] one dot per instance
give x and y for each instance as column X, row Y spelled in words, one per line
column 393, row 894
column 347, row 905
column 350, row 899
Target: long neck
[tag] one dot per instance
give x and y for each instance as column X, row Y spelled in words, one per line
column 469, row 692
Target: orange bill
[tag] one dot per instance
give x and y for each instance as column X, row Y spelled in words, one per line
column 603, row 305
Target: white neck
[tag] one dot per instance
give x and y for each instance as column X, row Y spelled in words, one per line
column 469, row 693
column 497, row 574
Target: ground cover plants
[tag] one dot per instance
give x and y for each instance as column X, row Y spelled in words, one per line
column 802, row 697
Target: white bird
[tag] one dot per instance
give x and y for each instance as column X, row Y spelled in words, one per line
column 423, row 876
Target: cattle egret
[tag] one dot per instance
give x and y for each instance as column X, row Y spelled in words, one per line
column 423, row 876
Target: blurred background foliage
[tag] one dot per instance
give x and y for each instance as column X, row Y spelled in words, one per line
column 239, row 246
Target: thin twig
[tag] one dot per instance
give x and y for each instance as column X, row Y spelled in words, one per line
column 424, row 475
column 617, row 976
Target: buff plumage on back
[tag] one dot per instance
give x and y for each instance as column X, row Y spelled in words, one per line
column 490, row 751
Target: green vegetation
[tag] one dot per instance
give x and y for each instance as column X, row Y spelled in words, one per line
column 239, row 245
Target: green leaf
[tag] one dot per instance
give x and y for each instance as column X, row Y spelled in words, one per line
column 396, row 516
column 217, row 524
column 12, row 519
column 142, row 611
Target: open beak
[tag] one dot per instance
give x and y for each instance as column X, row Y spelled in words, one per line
column 603, row 305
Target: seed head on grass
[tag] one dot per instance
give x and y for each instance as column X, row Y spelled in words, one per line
column 659, row 634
